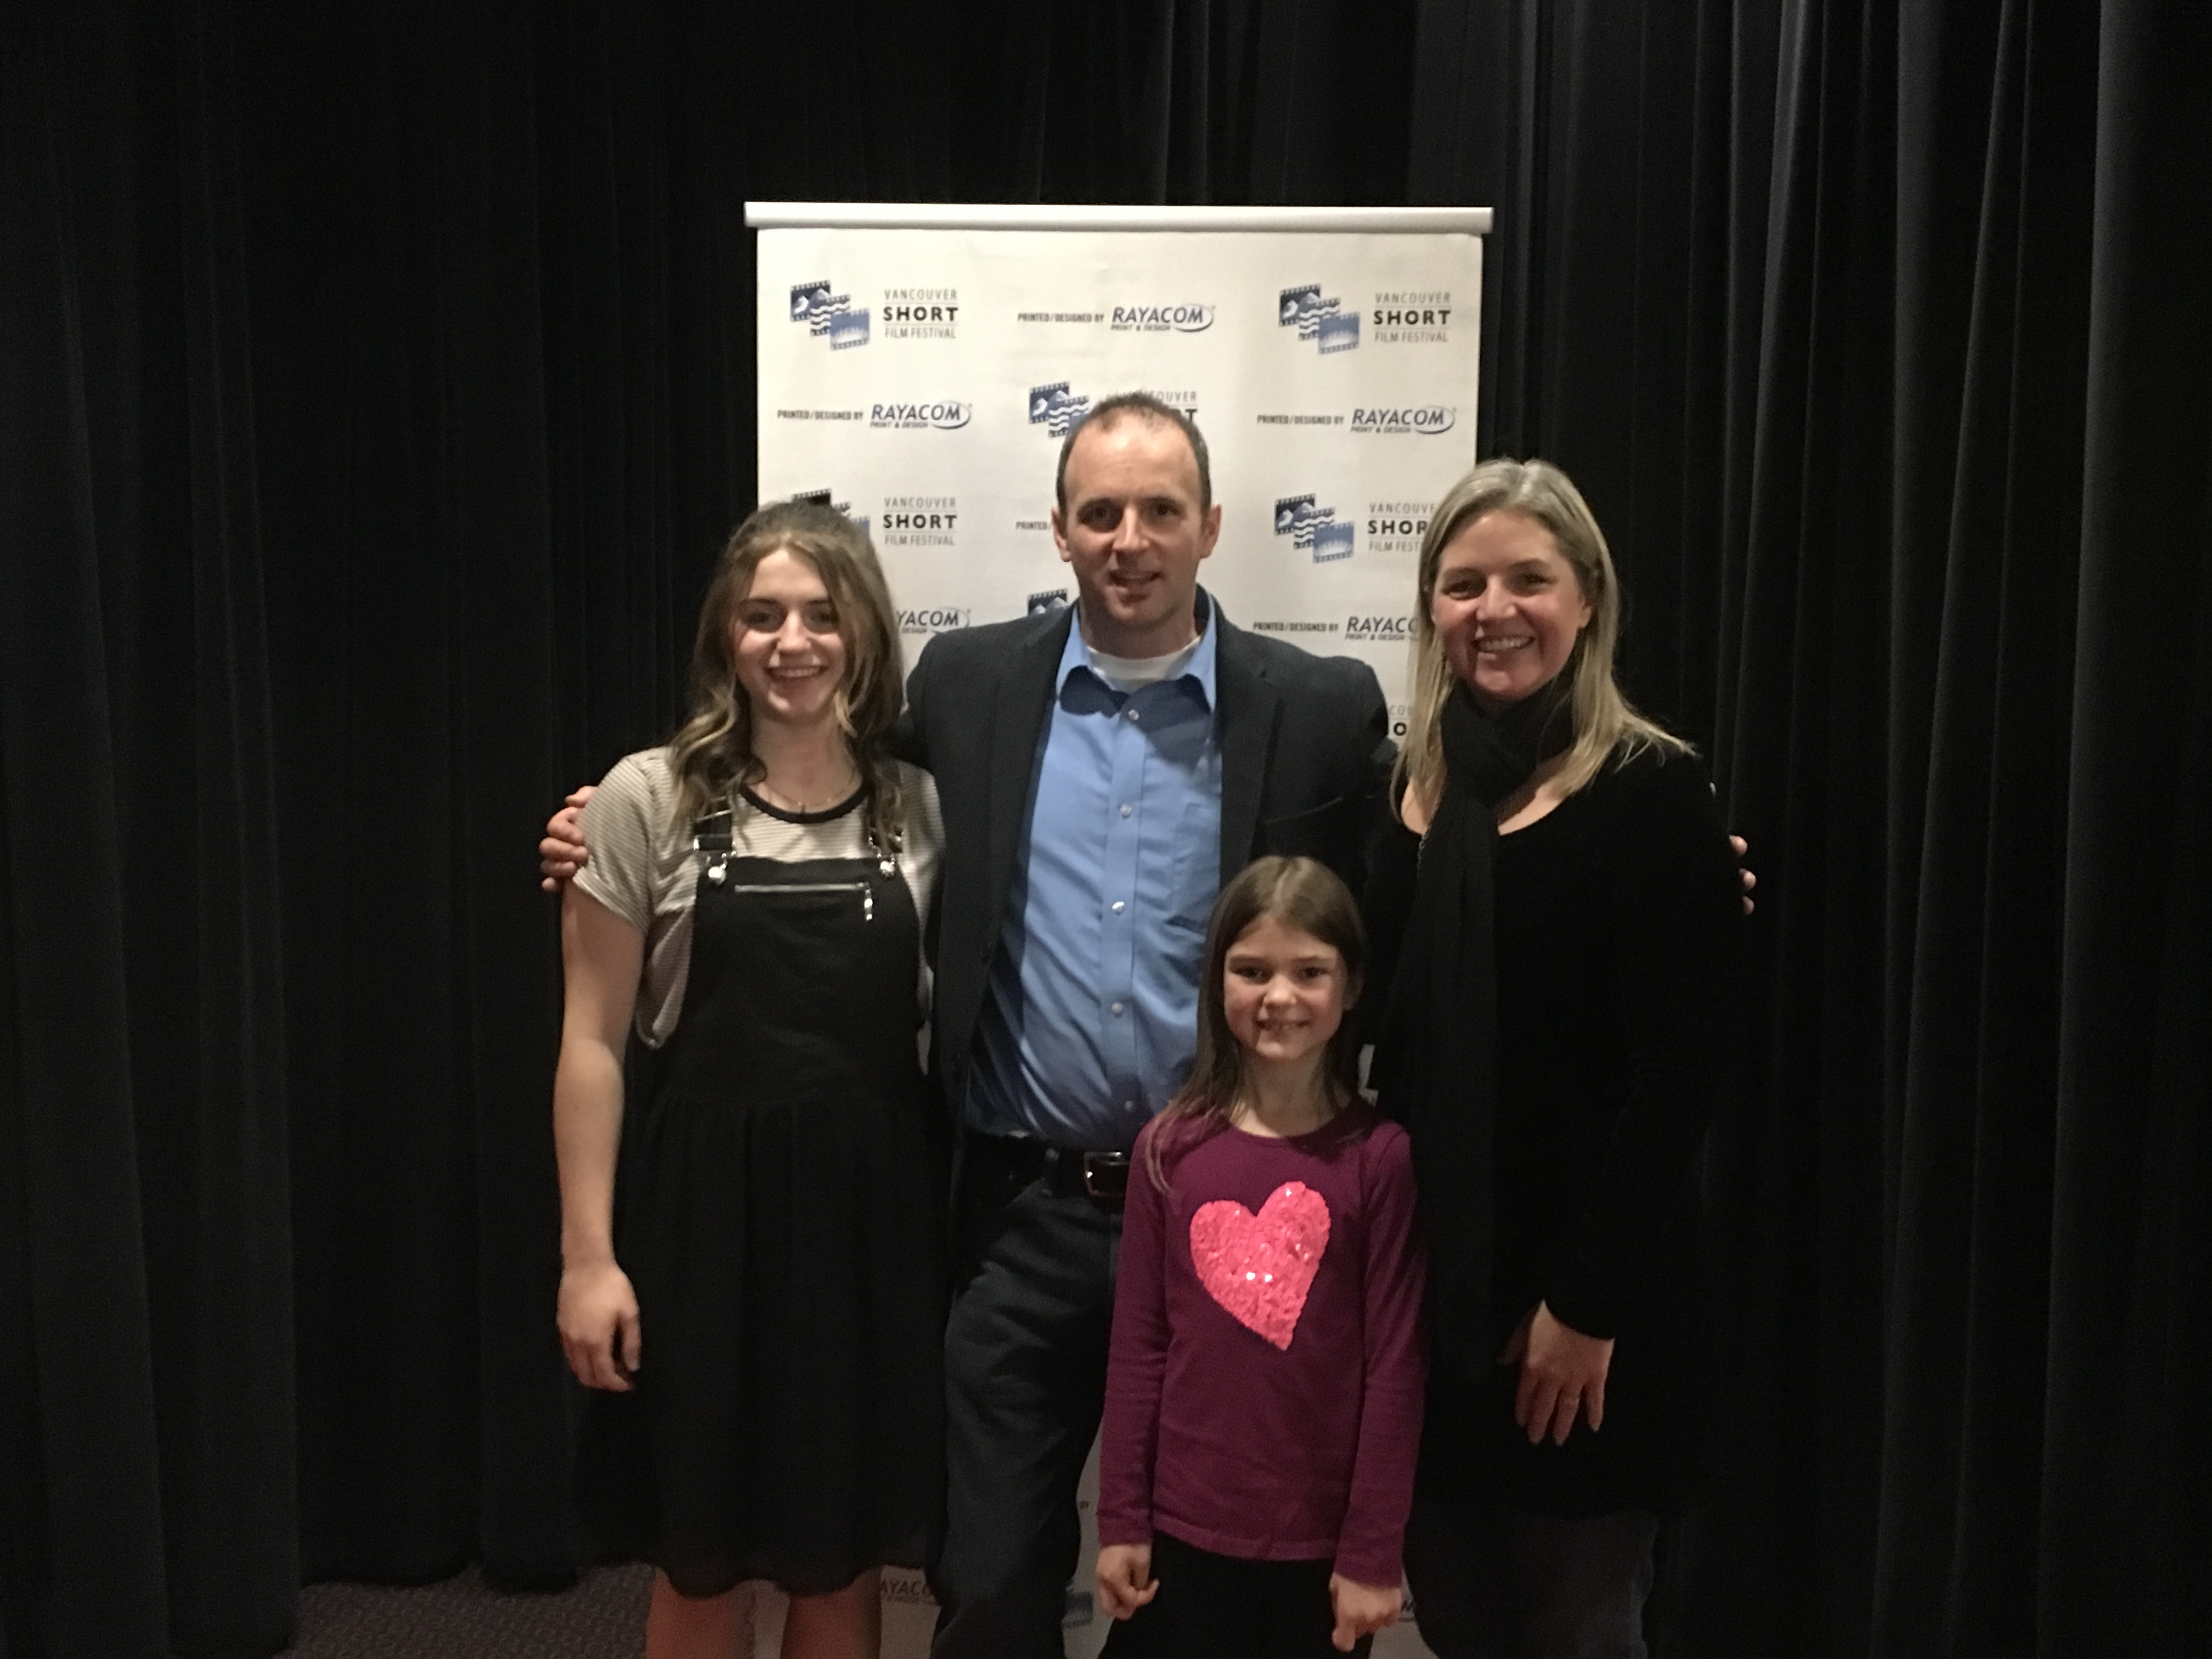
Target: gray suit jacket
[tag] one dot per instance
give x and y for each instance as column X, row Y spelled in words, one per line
column 1304, row 747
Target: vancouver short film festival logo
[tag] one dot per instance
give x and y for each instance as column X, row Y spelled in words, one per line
column 1312, row 527
column 1056, row 408
column 829, row 315
column 1319, row 318
column 828, row 498
column 1396, row 527
column 921, row 314
column 920, row 521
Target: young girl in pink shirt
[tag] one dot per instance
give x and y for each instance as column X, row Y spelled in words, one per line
column 1263, row 1398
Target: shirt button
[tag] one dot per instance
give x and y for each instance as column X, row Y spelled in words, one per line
column 1117, row 906
column 1117, row 1007
column 1133, row 714
column 1128, row 1105
column 1125, row 810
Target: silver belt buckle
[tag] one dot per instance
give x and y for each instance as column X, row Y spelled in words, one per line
column 1095, row 1164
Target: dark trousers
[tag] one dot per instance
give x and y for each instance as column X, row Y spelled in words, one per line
column 1491, row 1583
column 1216, row 1607
column 1025, row 1383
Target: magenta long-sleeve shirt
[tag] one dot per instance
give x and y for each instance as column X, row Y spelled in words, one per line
column 1263, row 1399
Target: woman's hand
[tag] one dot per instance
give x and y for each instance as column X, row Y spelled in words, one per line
column 1125, row 1578
column 1361, row 1610
column 1562, row 1375
column 562, row 852
column 599, row 1325
column 1741, row 848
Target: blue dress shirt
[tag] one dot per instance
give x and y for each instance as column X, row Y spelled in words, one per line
column 1091, row 1021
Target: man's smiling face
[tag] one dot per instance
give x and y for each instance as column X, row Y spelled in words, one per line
column 1135, row 532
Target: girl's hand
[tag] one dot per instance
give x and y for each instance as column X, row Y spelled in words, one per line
column 1562, row 1375
column 1125, row 1578
column 1361, row 1610
column 598, row 1317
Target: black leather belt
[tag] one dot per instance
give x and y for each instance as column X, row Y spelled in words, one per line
column 1066, row 1171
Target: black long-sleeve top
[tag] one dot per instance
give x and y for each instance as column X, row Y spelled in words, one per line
column 1616, row 925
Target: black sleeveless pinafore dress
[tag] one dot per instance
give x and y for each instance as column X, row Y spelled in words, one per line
column 781, row 1218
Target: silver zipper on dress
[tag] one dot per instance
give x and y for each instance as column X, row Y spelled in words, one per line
column 867, row 893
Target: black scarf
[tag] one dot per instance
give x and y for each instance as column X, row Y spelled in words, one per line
column 1441, row 1031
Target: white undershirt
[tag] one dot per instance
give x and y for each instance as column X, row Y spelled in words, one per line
column 1134, row 673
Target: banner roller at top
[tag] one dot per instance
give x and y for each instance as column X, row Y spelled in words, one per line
column 920, row 364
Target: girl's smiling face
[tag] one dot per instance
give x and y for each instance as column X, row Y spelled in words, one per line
column 1283, row 992
column 789, row 653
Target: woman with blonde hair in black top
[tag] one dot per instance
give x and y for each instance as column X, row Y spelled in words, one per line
column 1561, row 901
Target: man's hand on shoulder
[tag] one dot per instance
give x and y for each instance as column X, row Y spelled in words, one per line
column 562, row 852
column 1741, row 848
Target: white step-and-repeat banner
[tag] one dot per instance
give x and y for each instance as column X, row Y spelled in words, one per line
column 922, row 377
column 920, row 366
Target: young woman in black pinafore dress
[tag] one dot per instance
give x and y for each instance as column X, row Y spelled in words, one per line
column 765, row 1319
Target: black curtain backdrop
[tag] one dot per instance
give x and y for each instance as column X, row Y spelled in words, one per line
column 375, row 386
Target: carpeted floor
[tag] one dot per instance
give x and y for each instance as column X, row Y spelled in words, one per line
column 601, row 1618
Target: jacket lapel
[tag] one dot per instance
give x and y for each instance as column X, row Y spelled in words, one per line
column 1245, row 726
column 1024, row 698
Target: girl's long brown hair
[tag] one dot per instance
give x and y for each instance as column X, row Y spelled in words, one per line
column 712, row 752
column 1299, row 892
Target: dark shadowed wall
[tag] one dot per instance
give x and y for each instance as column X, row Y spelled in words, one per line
column 376, row 384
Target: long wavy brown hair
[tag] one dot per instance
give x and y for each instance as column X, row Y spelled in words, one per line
column 712, row 752
column 1298, row 892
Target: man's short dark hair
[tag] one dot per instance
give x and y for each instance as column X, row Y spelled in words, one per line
column 1143, row 406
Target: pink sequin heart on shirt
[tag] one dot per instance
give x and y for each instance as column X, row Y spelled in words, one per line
column 1260, row 1266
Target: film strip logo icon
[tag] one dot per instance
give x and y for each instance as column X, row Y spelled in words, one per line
column 1319, row 318
column 1314, row 528
column 1056, row 408
column 829, row 315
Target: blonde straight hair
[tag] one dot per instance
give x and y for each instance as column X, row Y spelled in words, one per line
column 1605, row 726
column 712, row 752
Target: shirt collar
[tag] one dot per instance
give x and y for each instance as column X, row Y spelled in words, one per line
column 1201, row 667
